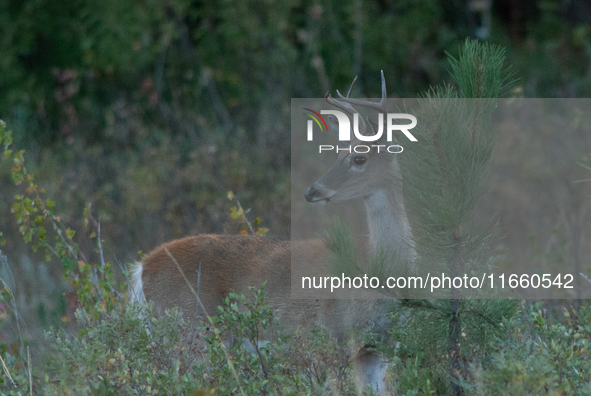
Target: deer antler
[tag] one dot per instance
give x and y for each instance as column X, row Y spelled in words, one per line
column 345, row 106
column 378, row 106
column 347, row 102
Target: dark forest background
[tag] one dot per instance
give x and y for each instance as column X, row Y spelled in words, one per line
column 153, row 110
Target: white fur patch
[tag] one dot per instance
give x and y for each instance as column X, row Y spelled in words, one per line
column 136, row 287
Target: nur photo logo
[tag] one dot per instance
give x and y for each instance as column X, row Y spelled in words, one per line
column 340, row 122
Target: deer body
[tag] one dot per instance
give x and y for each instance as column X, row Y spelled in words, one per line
column 218, row 264
column 210, row 264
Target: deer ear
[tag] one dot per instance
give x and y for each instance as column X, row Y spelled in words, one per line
column 334, row 125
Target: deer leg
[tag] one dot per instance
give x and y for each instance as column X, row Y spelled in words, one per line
column 370, row 369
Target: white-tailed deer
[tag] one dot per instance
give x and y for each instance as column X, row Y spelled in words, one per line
column 218, row 264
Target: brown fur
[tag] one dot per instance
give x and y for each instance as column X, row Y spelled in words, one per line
column 233, row 263
column 218, row 264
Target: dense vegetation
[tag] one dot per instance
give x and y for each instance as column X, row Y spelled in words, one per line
column 152, row 111
column 99, row 92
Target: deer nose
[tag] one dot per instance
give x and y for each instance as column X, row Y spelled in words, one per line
column 310, row 193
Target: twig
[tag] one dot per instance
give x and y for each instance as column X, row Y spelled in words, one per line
column 586, row 180
column 14, row 311
column 230, row 364
column 4, row 261
column 246, row 219
column 585, row 277
column 198, row 285
column 52, row 250
column 59, row 232
column 8, row 373
column 100, row 246
column 30, row 371
column 483, row 316
column 95, row 277
column 68, row 241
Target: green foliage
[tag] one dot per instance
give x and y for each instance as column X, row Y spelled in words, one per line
column 282, row 364
column 256, row 367
column 481, row 72
column 524, row 354
column 192, row 95
column 16, row 363
column 75, row 60
column 447, row 173
column 94, row 285
column 129, row 350
column 536, row 357
column 422, row 331
column 321, row 361
column 444, row 179
column 125, row 351
column 339, row 239
column 200, row 89
column 237, row 213
column 412, row 378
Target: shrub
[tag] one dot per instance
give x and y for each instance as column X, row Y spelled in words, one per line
column 125, row 351
column 286, row 363
column 539, row 358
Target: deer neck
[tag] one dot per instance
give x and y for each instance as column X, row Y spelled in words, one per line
column 389, row 229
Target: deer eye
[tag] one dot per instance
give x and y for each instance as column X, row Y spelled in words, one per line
column 359, row 160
